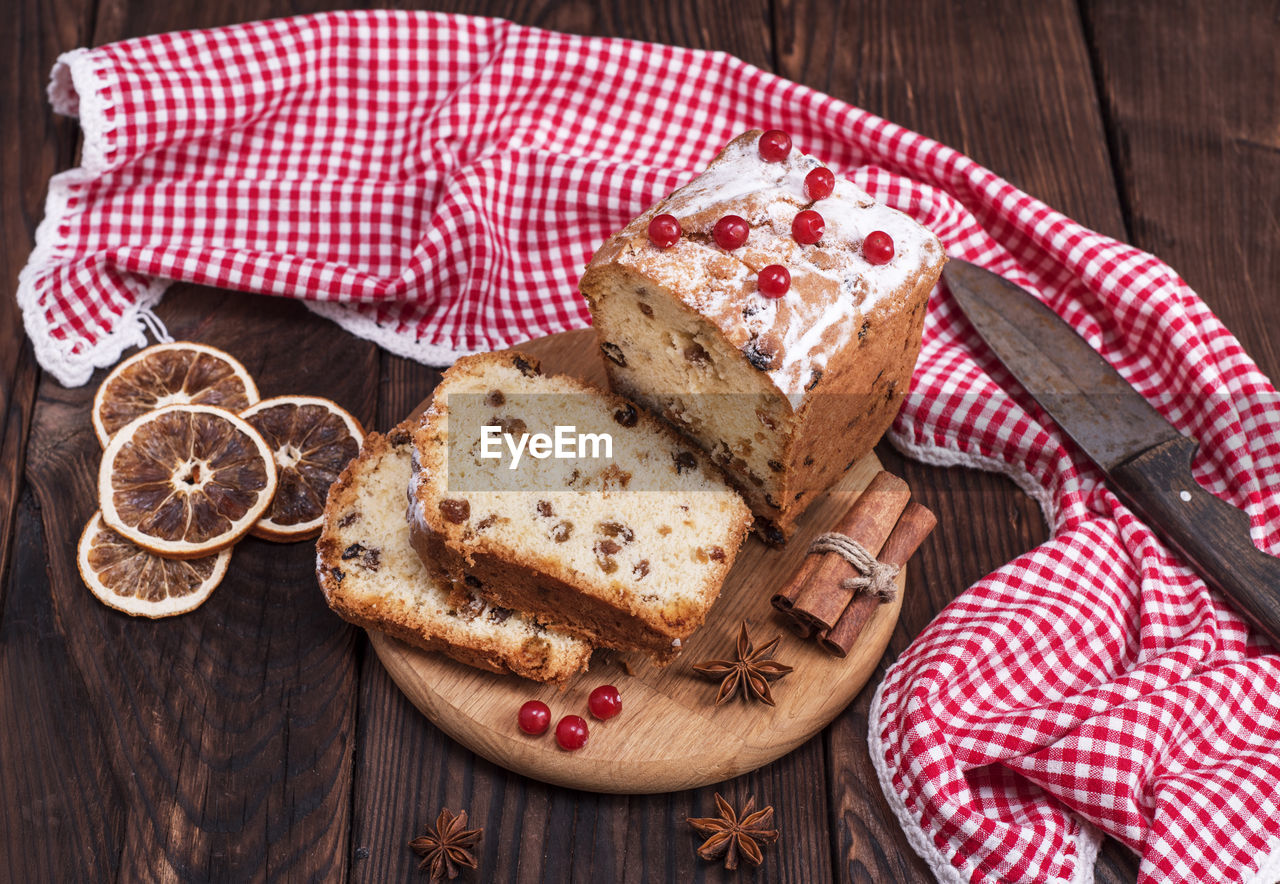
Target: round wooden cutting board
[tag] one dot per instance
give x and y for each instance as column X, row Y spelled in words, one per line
column 669, row 736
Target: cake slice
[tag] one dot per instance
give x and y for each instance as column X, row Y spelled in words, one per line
column 627, row 551
column 372, row 577
column 783, row 392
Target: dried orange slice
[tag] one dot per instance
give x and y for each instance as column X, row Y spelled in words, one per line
column 170, row 374
column 126, row 577
column 186, row 480
column 313, row 439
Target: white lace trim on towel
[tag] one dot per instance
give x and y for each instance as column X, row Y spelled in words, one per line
column 1087, row 840
column 80, row 86
column 1269, row 871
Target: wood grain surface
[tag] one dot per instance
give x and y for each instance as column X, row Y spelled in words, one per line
column 259, row 738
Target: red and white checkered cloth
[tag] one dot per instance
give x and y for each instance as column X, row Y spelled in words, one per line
column 436, row 183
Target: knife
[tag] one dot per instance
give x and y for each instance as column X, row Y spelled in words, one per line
column 1146, row 460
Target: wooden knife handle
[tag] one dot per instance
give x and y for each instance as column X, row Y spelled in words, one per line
column 1211, row 534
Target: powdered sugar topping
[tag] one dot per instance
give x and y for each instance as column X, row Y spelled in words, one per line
column 833, row 285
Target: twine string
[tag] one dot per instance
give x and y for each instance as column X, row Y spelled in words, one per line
column 874, row 577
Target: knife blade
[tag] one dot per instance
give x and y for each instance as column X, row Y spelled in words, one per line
column 1146, row 460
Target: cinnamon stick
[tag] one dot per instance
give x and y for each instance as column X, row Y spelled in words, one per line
column 912, row 528
column 872, row 495
column 784, row 600
column 823, row 597
column 798, row 627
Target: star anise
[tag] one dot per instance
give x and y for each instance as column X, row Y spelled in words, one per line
column 730, row 833
column 751, row 671
column 447, row 846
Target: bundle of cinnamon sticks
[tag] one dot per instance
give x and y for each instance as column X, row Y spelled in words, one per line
column 891, row 527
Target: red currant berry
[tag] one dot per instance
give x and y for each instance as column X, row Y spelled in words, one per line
column 775, row 146
column 877, row 248
column 730, row 232
column 571, row 732
column 664, row 231
column 535, row 717
column 819, row 183
column 807, row 227
column 605, row 702
column 774, row 281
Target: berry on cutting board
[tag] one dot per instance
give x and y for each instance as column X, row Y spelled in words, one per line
column 535, row 717
column 605, row 702
column 571, row 732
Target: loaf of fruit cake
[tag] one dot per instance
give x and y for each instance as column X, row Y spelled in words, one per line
column 372, row 577
column 628, row 551
column 772, row 313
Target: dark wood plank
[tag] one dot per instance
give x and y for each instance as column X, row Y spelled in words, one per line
column 1190, row 95
column 1010, row 85
column 32, row 35
column 62, row 811
column 51, row 756
column 229, row 731
column 404, row 384
column 18, row 377
column 122, row 20
column 740, row 28
column 1006, row 83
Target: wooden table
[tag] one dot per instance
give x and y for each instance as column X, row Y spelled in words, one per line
column 260, row 738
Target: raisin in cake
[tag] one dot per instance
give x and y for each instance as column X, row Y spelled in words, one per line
column 784, row 393
column 628, row 551
column 372, row 577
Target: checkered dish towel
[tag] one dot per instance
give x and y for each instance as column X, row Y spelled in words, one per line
column 436, row 183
